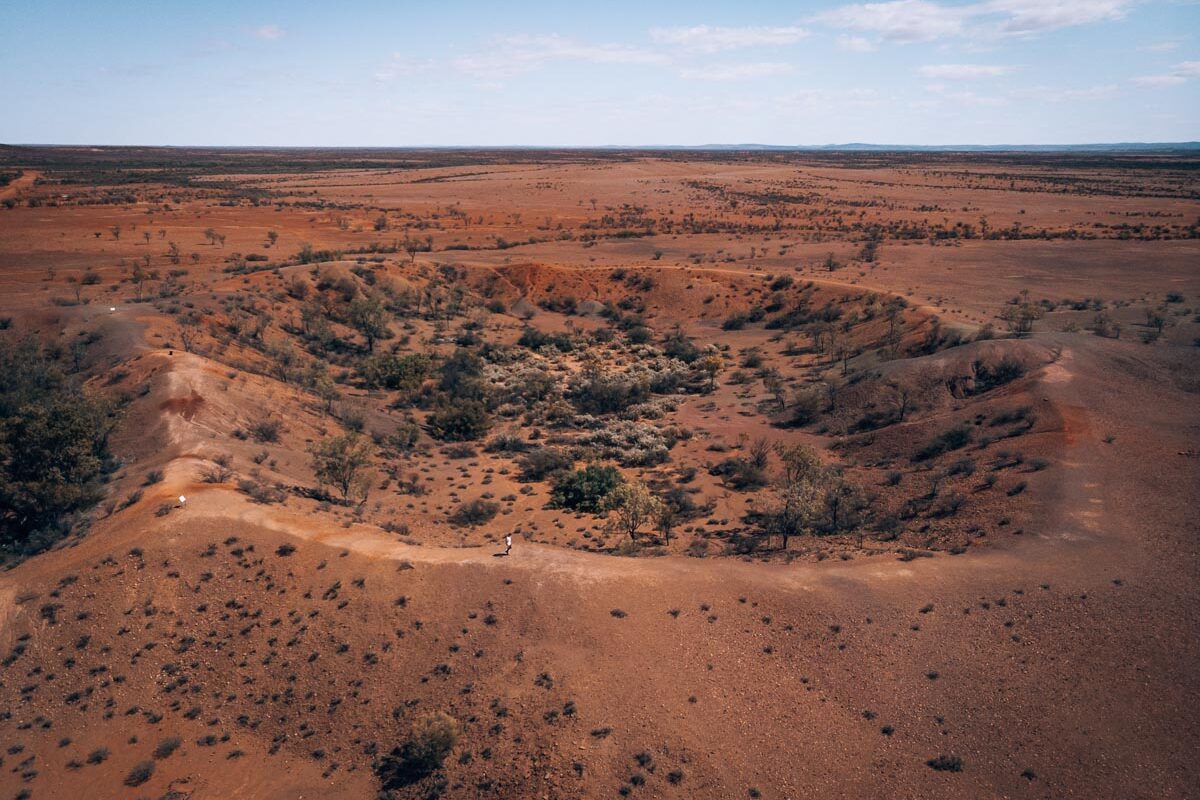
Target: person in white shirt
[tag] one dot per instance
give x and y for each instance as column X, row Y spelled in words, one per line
column 507, row 544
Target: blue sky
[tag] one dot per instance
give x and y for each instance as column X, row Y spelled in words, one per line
column 463, row 73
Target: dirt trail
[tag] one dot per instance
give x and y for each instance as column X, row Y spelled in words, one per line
column 20, row 184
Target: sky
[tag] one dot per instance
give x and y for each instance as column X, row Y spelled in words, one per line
column 621, row 72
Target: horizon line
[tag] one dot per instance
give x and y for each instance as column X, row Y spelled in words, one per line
column 715, row 146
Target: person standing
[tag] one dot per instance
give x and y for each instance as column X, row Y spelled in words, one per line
column 507, row 543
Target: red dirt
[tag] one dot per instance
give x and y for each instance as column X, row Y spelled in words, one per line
column 1046, row 635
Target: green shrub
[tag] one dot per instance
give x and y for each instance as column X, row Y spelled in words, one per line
column 404, row 438
column 585, row 489
column 639, row 334
column 679, row 346
column 459, row 421
column 462, row 375
column 387, row 371
column 53, row 448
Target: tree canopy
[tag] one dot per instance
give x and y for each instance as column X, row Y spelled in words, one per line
column 53, row 447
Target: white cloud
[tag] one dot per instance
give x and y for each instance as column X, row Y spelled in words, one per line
column 924, row 21
column 1180, row 73
column 1035, row 16
column 1161, row 47
column 1159, row 80
column 900, row 20
column 735, row 72
column 963, row 72
column 402, row 66
column 513, row 55
column 826, row 100
column 965, row 97
column 709, row 39
column 1054, row 95
column 268, row 32
column 856, row 44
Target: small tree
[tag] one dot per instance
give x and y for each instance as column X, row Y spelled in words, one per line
column 1020, row 313
column 844, row 502
column 1156, row 319
column 711, row 366
column 799, row 493
column 412, row 247
column 665, row 521
column 635, row 507
column 798, row 506
column 367, row 315
column 342, row 462
column 325, row 389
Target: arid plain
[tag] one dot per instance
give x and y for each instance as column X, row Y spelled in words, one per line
column 829, row 475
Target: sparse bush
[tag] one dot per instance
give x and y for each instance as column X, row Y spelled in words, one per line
column 261, row 492
column 805, row 408
column 166, row 747
column 459, row 421
column 475, row 512
column 988, row 377
column 404, row 438
column 432, row 738
column 265, row 430
column 215, row 473
column 535, row 340
column 945, row 763
column 952, row 439
column 140, row 773
column 949, row 506
column 539, row 464
column 508, row 443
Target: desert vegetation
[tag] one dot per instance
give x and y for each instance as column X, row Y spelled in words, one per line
column 868, row 449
